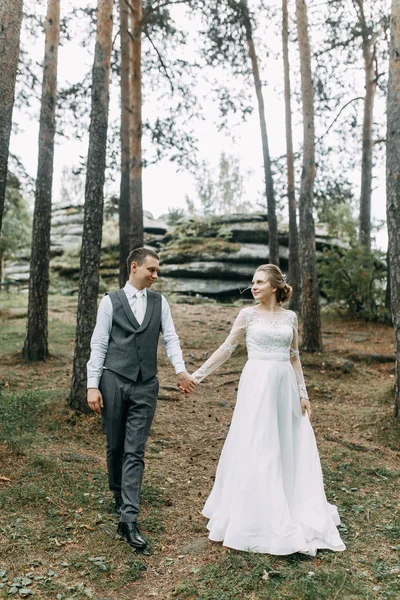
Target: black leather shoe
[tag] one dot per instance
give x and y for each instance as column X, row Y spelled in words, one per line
column 131, row 533
column 118, row 505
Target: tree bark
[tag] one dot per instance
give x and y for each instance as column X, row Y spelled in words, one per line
column 2, row 268
column 294, row 275
column 393, row 184
column 387, row 292
column 369, row 55
column 36, row 341
column 312, row 339
column 10, row 31
column 94, row 200
column 273, row 242
column 135, row 128
column 124, row 206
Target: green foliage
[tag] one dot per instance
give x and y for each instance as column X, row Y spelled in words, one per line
column 174, row 215
column 225, row 233
column 334, row 199
column 222, row 193
column 193, row 228
column 199, row 236
column 72, row 192
column 17, row 220
column 355, row 279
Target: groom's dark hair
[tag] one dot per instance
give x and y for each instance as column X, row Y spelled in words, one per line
column 138, row 256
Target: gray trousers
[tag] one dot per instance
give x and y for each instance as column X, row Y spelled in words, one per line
column 128, row 412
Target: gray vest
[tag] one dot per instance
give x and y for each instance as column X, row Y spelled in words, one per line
column 132, row 348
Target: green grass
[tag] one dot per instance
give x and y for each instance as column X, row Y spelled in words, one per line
column 19, row 416
column 258, row 577
column 266, row 578
column 59, row 510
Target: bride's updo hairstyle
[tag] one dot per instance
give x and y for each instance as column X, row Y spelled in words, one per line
column 275, row 277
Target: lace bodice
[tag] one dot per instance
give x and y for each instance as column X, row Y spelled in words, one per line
column 273, row 336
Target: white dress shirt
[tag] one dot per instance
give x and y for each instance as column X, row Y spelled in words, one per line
column 101, row 333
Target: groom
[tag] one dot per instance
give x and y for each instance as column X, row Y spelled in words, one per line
column 122, row 383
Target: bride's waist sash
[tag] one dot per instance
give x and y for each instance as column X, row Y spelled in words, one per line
column 278, row 356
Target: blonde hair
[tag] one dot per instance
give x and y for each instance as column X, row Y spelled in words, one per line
column 275, row 277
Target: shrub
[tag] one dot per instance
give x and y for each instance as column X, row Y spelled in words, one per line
column 355, row 279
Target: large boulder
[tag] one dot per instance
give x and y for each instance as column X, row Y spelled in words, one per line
column 217, row 256
column 212, row 287
column 67, row 228
column 200, row 256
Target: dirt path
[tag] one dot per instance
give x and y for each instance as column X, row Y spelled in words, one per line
column 357, row 439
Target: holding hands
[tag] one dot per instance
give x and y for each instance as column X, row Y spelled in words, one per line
column 186, row 382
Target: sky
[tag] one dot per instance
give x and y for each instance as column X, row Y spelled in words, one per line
column 164, row 186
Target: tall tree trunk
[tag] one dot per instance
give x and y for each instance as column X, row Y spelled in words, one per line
column 393, row 184
column 387, row 292
column 369, row 56
column 294, row 256
column 36, row 341
column 312, row 339
column 135, row 128
column 124, row 206
column 273, row 242
column 10, row 31
column 94, row 200
column 2, row 268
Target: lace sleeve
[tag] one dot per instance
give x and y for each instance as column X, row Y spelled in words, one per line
column 224, row 351
column 295, row 359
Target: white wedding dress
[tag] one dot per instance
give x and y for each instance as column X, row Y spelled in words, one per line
column 268, row 494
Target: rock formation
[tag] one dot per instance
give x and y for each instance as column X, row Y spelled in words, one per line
column 200, row 256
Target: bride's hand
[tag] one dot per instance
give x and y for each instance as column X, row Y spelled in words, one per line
column 305, row 406
column 186, row 382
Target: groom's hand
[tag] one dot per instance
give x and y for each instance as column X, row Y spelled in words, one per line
column 95, row 400
column 186, row 382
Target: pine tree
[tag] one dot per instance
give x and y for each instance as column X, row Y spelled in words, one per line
column 312, row 339
column 124, row 205
column 10, row 31
column 36, row 341
column 294, row 275
column 393, row 184
column 135, row 128
column 273, row 242
column 94, row 201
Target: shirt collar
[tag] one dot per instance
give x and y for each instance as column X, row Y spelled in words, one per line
column 131, row 290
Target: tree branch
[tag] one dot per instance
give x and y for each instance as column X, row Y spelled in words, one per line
column 161, row 62
column 169, row 3
column 338, row 115
column 379, row 141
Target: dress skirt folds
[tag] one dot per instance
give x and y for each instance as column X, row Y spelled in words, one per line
column 268, row 494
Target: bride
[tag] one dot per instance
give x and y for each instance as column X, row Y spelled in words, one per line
column 268, row 494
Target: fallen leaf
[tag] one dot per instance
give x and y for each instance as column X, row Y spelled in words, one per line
column 265, row 575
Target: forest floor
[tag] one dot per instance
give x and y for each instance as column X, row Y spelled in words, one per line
column 57, row 529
